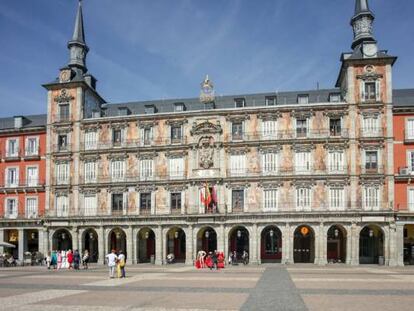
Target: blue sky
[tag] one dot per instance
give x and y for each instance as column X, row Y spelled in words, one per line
column 158, row 49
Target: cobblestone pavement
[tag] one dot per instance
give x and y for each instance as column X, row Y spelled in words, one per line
column 266, row 287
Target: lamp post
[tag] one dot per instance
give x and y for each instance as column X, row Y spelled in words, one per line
column 146, row 235
column 272, row 247
column 336, row 233
column 176, row 234
column 239, row 234
column 371, row 233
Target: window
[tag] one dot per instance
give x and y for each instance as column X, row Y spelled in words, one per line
column 176, row 201
column 62, row 173
column 118, row 170
column 146, row 169
column 146, row 136
column 64, row 112
column 62, row 206
column 178, row 107
column 411, row 199
column 409, row 133
column 269, row 129
column 12, row 148
column 410, row 161
column 90, row 171
column 176, row 166
column 123, row 111
column 301, row 128
column 32, row 146
column 117, row 202
column 11, row 208
column 117, row 137
column 32, row 177
column 269, row 163
column 371, row 198
column 62, row 142
column 336, row 161
column 239, row 103
column 270, row 200
column 303, row 162
column 370, row 91
column 90, row 140
column 237, row 199
column 12, row 177
column 303, row 199
column 270, row 101
column 89, row 205
column 371, row 160
column 237, row 130
column 370, row 126
column 336, row 199
column 237, row 164
column 145, row 201
column 303, row 99
column 335, row 127
column 176, row 133
column 31, row 207
column 149, row 109
column 335, row 98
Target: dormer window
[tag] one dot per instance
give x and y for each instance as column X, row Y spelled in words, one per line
column 303, row 99
column 239, row 103
column 334, row 98
column 149, row 109
column 18, row 122
column 271, row 101
column 123, row 111
column 179, row 107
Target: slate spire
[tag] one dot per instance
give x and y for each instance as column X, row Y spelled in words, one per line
column 77, row 46
column 361, row 23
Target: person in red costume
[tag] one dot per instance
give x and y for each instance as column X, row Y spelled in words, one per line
column 209, row 260
column 220, row 260
column 70, row 258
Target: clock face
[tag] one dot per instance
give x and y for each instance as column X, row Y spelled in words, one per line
column 370, row 50
column 64, row 75
column 207, row 90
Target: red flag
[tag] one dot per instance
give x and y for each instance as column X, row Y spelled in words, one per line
column 206, row 196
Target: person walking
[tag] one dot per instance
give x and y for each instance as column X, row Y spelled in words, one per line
column 121, row 263
column 48, row 261
column 53, row 260
column 85, row 259
column 215, row 260
column 69, row 256
column 112, row 258
column 76, row 260
column 59, row 260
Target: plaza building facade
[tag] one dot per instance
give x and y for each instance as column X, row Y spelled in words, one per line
column 304, row 176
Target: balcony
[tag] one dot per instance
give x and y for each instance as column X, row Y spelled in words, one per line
column 371, row 133
column 12, row 215
column 61, row 148
column 372, row 169
column 32, row 153
column 408, row 137
column 13, row 185
column 130, row 178
column 281, row 171
column 12, row 155
column 61, row 118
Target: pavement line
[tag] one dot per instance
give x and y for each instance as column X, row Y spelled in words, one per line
column 44, row 307
column 29, row 298
column 382, row 280
column 119, row 282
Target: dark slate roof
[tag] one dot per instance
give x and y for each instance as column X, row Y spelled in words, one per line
column 403, row 98
column 222, row 102
column 29, row 121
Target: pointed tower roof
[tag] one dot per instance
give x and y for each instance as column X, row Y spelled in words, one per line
column 362, row 23
column 78, row 32
column 361, row 6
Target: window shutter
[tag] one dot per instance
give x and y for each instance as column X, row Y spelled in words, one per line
column 245, row 201
column 411, row 199
column 182, row 202
column 124, row 203
column 229, row 201
column 362, row 88
column 153, row 198
column 378, row 90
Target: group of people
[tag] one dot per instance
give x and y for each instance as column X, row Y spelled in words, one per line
column 67, row 260
column 116, row 262
column 212, row 260
column 234, row 259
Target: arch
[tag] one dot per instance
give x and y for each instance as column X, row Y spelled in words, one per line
column 409, row 244
column 146, row 245
column 239, row 238
column 90, row 243
column 176, row 240
column 61, row 240
column 206, row 239
column 271, row 244
column 371, row 244
column 117, row 240
column 304, row 244
column 336, row 244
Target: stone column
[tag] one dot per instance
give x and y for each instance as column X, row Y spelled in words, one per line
column 226, row 242
column 130, row 247
column 393, row 245
column 21, row 244
column 386, row 245
column 101, row 245
column 220, row 239
column 253, row 244
column 189, row 252
column 348, row 245
column 158, row 245
column 164, row 246
column 41, row 241
column 135, row 248
column 399, row 244
column 323, row 238
column 1, row 240
column 75, row 238
column 355, row 244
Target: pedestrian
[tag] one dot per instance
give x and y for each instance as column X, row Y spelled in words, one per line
column 85, row 259
column 48, row 260
column 121, row 264
column 53, row 260
column 70, row 259
column 215, row 260
column 76, row 260
column 59, row 260
column 112, row 258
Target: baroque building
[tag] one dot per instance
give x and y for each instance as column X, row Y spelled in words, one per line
column 305, row 176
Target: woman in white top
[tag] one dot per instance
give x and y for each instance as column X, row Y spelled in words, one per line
column 112, row 258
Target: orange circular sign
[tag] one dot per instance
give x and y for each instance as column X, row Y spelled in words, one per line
column 304, row 231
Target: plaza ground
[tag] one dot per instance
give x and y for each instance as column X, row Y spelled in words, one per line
column 177, row 287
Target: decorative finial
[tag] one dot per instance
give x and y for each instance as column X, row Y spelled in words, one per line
column 207, row 91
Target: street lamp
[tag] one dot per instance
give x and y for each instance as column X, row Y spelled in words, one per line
column 118, row 235
column 336, row 233
column 239, row 234
column 207, row 234
column 91, row 236
column 371, row 233
column 272, row 244
column 63, row 235
column 146, row 236
column 176, row 234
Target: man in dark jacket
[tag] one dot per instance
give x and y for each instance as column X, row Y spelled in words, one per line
column 76, row 260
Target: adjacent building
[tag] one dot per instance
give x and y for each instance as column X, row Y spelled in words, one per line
column 305, row 176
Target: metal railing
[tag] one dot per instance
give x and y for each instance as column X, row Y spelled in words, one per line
column 376, row 169
column 371, row 132
column 25, row 183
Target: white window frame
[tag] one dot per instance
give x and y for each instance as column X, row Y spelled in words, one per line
column 307, row 127
column 337, row 198
column 90, row 170
column 91, row 140
column 142, row 136
column 270, row 163
column 410, row 165
column 146, row 169
column 15, row 211
column 303, row 203
column 90, row 205
column 62, row 205
column 32, row 211
column 122, row 142
column 377, row 90
column 371, row 198
column 303, row 162
column 409, row 128
column 118, row 170
column 16, row 151
column 8, row 182
column 237, row 164
column 29, row 152
column 410, row 199
column 336, row 161
column 30, row 181
column 269, row 129
column 371, row 126
column 303, row 99
column 270, row 200
column 176, row 167
column 62, row 173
